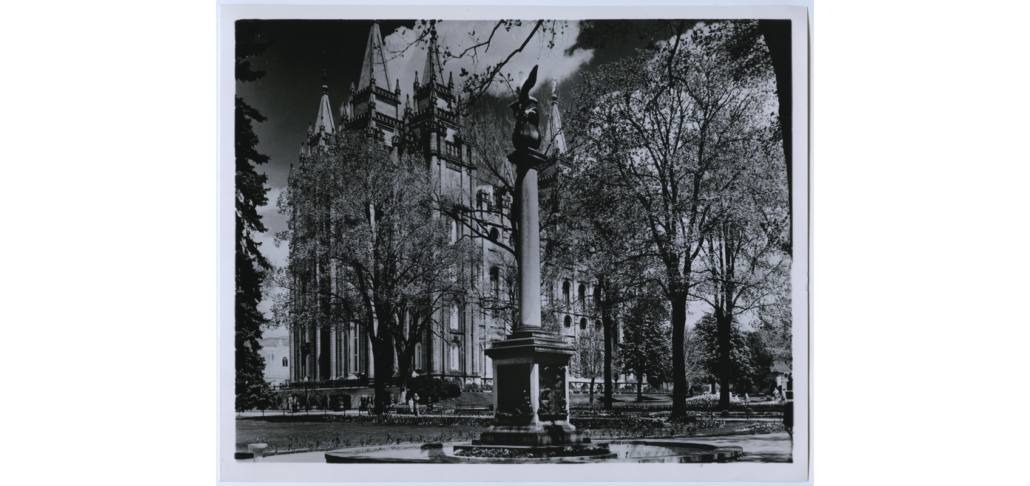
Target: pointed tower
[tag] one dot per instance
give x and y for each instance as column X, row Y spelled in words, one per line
column 373, row 107
column 554, row 146
column 433, row 130
column 434, row 68
column 554, row 138
column 324, row 126
column 373, row 68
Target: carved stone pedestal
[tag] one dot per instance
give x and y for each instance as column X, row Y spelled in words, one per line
column 531, row 391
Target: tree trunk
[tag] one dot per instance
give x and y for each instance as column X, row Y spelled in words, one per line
column 404, row 358
column 776, row 36
column 592, row 390
column 679, row 368
column 382, row 354
column 640, row 387
column 606, row 323
column 724, row 323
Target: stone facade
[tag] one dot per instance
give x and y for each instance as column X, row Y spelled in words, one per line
column 430, row 123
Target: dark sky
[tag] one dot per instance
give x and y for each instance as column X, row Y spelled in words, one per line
column 300, row 50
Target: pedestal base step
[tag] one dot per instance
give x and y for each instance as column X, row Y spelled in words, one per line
column 547, row 448
column 556, row 437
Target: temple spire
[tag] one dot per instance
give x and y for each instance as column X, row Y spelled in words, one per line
column 554, row 137
column 324, row 119
column 434, row 68
column 373, row 68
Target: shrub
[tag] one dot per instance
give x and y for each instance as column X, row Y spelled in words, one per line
column 429, row 390
column 451, row 390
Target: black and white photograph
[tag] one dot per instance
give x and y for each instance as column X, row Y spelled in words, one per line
column 466, row 239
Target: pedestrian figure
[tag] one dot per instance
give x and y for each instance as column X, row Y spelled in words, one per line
column 415, row 399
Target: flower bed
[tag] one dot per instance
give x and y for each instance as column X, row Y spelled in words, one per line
column 522, row 453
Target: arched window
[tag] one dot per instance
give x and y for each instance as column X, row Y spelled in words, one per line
column 495, row 280
column 284, row 362
column 597, row 295
column 565, row 291
column 454, row 318
column 568, row 321
column 454, row 356
column 494, row 235
column 582, row 292
column 597, row 325
column 418, row 356
column 583, row 323
column 454, row 231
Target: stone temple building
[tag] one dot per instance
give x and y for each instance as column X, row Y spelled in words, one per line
column 428, row 123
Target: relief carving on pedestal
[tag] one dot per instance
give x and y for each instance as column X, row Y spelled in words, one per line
column 553, row 403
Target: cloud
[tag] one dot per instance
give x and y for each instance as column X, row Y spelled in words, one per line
column 455, row 36
column 276, row 256
column 273, row 198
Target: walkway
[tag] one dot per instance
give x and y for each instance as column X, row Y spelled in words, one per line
column 757, row 448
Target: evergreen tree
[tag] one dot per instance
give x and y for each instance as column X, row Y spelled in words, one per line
column 251, row 266
column 645, row 348
column 739, row 368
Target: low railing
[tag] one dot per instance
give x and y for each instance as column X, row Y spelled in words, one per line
column 342, row 383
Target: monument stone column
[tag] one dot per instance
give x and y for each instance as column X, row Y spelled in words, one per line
column 530, row 365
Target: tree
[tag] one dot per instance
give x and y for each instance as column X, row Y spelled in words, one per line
column 251, row 265
column 588, row 362
column 748, row 43
column 696, row 369
column 739, row 368
column 762, row 360
column 366, row 246
column 645, row 347
column 672, row 121
column 775, row 324
column 743, row 263
column 604, row 234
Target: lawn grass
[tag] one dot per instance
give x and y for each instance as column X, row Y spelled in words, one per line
column 468, row 399
column 297, row 433
column 583, row 400
column 318, row 434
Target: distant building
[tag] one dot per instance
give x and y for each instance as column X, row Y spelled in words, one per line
column 782, row 374
column 276, row 352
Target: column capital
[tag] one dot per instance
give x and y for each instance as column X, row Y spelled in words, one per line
column 527, row 158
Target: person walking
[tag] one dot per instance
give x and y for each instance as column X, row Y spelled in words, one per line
column 414, row 399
